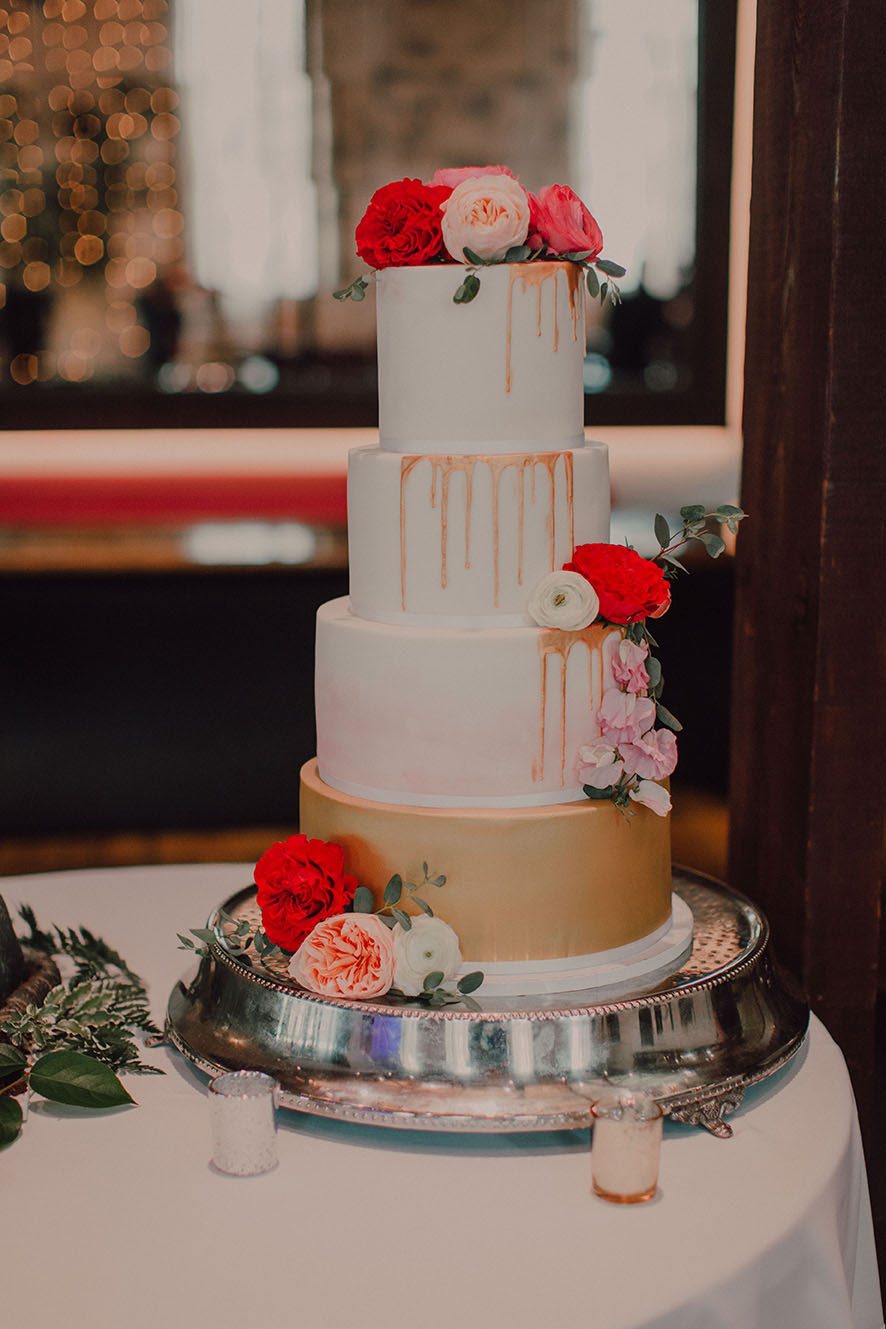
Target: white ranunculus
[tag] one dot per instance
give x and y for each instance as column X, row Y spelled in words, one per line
column 653, row 796
column 489, row 214
column 429, row 946
column 564, row 600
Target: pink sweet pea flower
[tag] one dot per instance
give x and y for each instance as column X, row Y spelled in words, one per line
column 653, row 756
column 623, row 717
column 562, row 221
column 628, row 667
column 347, row 955
column 453, row 175
column 653, row 796
column 599, row 766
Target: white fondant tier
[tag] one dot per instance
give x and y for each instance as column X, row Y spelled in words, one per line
column 500, row 374
column 441, row 717
column 464, row 539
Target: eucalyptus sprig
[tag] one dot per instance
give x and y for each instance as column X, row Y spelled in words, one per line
column 694, row 526
column 435, row 995
column 524, row 254
column 356, row 290
column 236, row 936
column 390, row 912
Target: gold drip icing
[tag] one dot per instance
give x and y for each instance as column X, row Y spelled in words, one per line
column 559, row 642
column 536, row 274
column 442, row 469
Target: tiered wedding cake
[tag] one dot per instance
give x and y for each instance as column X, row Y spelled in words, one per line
column 450, row 723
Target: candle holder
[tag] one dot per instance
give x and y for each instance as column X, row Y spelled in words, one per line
column 626, row 1146
column 244, row 1129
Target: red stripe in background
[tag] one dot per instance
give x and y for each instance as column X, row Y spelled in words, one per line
column 60, row 499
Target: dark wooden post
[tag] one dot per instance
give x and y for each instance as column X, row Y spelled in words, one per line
column 808, row 776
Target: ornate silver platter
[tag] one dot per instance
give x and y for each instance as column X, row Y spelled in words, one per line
column 728, row 1017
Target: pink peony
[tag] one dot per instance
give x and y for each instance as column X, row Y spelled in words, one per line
column 652, row 796
column 623, row 717
column 488, row 213
column 348, row 955
column 560, row 219
column 628, row 667
column 453, row 175
column 653, row 756
column 599, row 766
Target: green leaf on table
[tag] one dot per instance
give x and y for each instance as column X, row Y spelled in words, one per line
column 433, row 980
column 470, row 982
column 363, row 902
column 72, row 1077
column 666, row 718
column 394, row 889
column 11, row 1060
column 10, row 1120
column 662, row 530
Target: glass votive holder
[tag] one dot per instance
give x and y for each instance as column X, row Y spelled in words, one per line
column 626, row 1146
column 244, row 1129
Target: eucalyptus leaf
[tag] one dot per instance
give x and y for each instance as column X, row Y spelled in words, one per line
column 712, row 543
column 474, row 258
column 439, row 881
column 471, row 1004
column 593, row 284
column 204, row 934
column 394, row 889
column 666, row 718
column 72, row 1077
column 726, row 510
column 653, row 669
column 470, row 982
column 403, row 919
column 577, row 255
column 358, row 293
column 424, row 868
column 423, row 906
column 692, row 512
column 363, row 902
column 10, row 1120
column 468, row 289
column 433, row 980
column 662, row 530
column 598, row 793
column 611, row 269
column 517, row 254
column 674, row 562
column 603, row 289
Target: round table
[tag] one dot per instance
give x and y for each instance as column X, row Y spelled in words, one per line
column 117, row 1218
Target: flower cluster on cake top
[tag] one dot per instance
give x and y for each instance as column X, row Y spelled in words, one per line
column 477, row 216
column 613, row 584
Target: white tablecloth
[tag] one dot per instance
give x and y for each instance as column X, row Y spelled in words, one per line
column 116, row 1218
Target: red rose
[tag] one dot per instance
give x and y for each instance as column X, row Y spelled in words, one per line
column 401, row 226
column 560, row 219
column 630, row 587
column 300, row 882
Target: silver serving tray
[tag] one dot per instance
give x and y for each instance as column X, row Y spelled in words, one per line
column 726, row 1018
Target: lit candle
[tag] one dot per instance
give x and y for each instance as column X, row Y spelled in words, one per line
column 626, row 1146
column 241, row 1111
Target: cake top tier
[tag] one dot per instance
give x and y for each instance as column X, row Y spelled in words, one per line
column 481, row 311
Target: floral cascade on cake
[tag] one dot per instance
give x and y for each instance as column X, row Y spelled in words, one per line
column 479, row 216
column 337, row 943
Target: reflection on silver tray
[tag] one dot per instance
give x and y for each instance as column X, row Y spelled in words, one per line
column 728, row 1017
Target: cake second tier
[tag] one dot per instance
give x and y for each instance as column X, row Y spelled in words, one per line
column 450, row 717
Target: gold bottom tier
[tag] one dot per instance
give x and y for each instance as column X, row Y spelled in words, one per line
column 521, row 883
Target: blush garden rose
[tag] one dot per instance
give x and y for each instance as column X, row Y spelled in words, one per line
column 348, row 955
column 401, row 227
column 488, row 214
column 300, row 882
column 630, row 588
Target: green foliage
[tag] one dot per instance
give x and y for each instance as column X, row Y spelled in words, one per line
column 10, row 1120
column 355, row 291
column 467, row 290
column 363, row 901
column 71, row 1077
